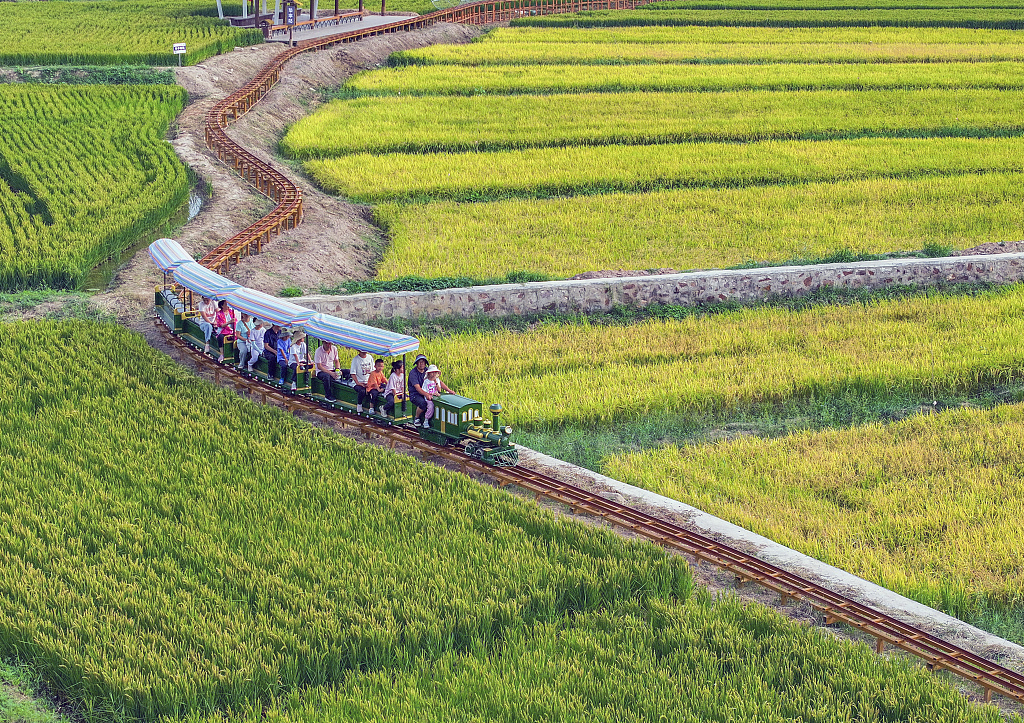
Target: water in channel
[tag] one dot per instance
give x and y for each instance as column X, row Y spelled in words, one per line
column 100, row 277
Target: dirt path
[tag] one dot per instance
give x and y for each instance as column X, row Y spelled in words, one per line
column 336, row 240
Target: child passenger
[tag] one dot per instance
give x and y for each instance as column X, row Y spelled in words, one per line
column 395, row 388
column 375, row 384
column 432, row 386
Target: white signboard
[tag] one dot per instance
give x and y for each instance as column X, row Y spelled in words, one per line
column 179, row 48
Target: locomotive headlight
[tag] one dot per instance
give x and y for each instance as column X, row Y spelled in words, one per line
column 507, row 431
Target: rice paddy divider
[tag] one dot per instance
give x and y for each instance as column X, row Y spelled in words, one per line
column 274, row 184
column 936, row 653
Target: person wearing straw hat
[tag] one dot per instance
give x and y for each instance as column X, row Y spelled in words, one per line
column 432, row 386
column 297, row 354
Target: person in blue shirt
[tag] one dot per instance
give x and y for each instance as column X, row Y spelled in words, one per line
column 284, row 346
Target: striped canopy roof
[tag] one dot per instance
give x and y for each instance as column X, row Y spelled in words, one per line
column 360, row 337
column 168, row 254
column 266, row 307
column 202, row 281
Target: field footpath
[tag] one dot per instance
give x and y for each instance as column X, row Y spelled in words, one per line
column 685, row 289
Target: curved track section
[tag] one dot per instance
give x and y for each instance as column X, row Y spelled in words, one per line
column 937, row 653
column 887, row 630
column 274, row 184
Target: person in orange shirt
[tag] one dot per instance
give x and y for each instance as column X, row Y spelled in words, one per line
column 375, row 384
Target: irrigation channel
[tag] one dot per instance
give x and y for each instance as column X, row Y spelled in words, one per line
column 887, row 630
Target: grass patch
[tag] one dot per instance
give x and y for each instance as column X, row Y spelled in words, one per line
column 419, row 283
column 23, row 697
column 94, row 75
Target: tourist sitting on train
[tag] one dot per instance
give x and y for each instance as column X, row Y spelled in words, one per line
column 284, row 345
column 270, row 338
column 375, row 384
column 395, row 389
column 432, row 386
column 256, row 342
column 243, row 338
column 326, row 360
column 207, row 318
column 362, row 366
column 297, row 355
column 416, row 379
column 225, row 323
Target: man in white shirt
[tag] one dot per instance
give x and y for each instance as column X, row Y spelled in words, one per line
column 326, row 360
column 362, row 365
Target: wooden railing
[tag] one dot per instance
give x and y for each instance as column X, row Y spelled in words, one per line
column 275, row 185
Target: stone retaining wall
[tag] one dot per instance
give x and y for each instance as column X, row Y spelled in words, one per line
column 698, row 287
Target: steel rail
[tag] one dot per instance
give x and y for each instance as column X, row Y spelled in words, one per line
column 886, row 629
column 275, row 185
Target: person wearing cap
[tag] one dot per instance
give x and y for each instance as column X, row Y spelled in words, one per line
column 362, row 365
column 284, row 345
column 326, row 360
column 297, row 354
column 256, row 342
column 270, row 338
column 416, row 379
column 207, row 318
column 432, row 386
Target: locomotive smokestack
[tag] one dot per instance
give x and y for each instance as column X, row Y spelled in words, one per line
column 496, row 411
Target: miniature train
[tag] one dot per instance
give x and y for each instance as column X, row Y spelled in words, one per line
column 457, row 420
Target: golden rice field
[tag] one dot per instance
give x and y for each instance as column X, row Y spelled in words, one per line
column 998, row 17
column 701, row 45
column 699, row 228
column 931, row 507
column 480, row 123
column 581, row 374
column 578, row 170
column 534, row 79
column 702, row 147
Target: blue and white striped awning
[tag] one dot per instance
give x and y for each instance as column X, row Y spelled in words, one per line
column 200, row 280
column 269, row 308
column 168, row 254
column 360, row 337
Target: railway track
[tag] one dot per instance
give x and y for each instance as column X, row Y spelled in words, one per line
column 887, row 630
column 938, row 654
